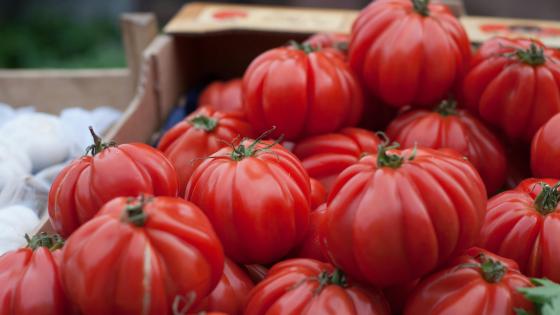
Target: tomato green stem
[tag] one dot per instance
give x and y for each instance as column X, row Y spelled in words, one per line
column 204, row 123
column 492, row 270
column 389, row 160
column 533, row 55
column 337, row 277
column 98, row 144
column 447, row 107
column 547, row 200
column 134, row 211
column 43, row 239
column 305, row 47
column 241, row 151
column 421, row 6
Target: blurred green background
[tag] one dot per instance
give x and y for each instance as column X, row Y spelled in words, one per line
column 86, row 34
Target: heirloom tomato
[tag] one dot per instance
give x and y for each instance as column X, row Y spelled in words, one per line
column 30, row 279
column 545, row 149
column 307, row 286
column 82, row 187
column 138, row 255
column 408, row 52
column 318, row 193
column 311, row 246
column 477, row 283
column 523, row 224
column 514, row 84
column 449, row 127
column 231, row 292
column 302, row 91
column 257, row 196
column 325, row 156
column 223, row 96
column 397, row 215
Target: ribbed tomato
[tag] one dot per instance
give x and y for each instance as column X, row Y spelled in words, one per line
column 311, row 246
column 199, row 135
column 224, row 96
column 523, row 224
column 449, row 127
column 231, row 292
column 82, row 187
column 397, row 215
column 257, row 197
column 325, row 156
column 514, row 84
column 302, row 91
column 29, row 277
column 318, row 193
column 477, row 283
column 139, row 255
column 307, row 286
column 545, row 150
column 408, row 52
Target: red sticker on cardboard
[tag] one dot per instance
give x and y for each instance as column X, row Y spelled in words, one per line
column 229, row 14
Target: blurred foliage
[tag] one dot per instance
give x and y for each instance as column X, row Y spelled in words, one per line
column 41, row 40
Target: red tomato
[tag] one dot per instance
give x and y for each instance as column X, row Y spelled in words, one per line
column 224, row 96
column 407, row 52
column 82, row 187
column 325, row 156
column 230, row 294
column 302, row 91
column 478, row 283
column 514, row 84
column 138, row 255
column 318, row 193
column 307, row 286
column 449, row 127
column 257, row 196
column 335, row 42
column 199, row 135
column 311, row 246
column 545, row 150
column 397, row 215
column 29, row 277
column 524, row 225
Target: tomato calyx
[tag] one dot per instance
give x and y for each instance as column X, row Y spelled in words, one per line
column 305, row 47
column 447, row 108
column 325, row 278
column 205, row 123
column 491, row 270
column 43, row 239
column 421, row 7
column 385, row 159
column 241, row 151
column 533, row 55
column 98, row 144
column 547, row 200
column 134, row 211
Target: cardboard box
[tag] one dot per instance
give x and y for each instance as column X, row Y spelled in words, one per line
column 219, row 41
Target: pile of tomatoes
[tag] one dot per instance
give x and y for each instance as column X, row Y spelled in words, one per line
column 276, row 197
